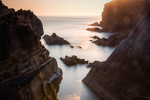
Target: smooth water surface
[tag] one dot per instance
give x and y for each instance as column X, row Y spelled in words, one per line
column 74, row 30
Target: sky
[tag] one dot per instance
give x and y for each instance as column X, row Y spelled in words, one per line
column 59, row 7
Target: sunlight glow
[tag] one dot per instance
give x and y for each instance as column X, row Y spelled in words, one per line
column 59, row 7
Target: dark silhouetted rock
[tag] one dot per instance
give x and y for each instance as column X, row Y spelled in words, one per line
column 94, row 64
column 120, row 15
column 73, row 60
column 95, row 24
column 94, row 29
column 125, row 74
column 26, row 70
column 79, row 47
column 111, row 41
column 72, row 46
column 55, row 40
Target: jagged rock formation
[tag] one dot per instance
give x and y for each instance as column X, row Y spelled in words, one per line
column 74, row 60
column 26, row 70
column 113, row 40
column 55, row 40
column 125, row 74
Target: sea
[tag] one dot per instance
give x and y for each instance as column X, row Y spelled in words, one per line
column 73, row 29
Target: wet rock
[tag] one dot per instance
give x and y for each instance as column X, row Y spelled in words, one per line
column 79, row 47
column 95, row 64
column 111, row 41
column 95, row 24
column 72, row 46
column 55, row 40
column 73, row 60
column 94, row 29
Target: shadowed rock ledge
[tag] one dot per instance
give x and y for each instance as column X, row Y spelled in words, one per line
column 125, row 74
column 26, row 70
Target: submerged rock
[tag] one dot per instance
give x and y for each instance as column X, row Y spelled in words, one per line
column 26, row 70
column 55, row 40
column 73, row 60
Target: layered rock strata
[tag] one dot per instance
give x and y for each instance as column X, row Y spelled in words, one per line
column 125, row 74
column 26, row 70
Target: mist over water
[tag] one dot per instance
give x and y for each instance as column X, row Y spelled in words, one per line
column 73, row 29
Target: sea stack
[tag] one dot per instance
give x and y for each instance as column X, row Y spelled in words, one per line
column 26, row 70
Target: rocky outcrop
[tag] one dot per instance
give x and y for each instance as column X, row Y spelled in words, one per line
column 125, row 74
column 55, row 40
column 119, row 17
column 94, row 29
column 94, row 64
column 95, row 24
column 70, row 61
column 113, row 40
column 121, row 14
column 26, row 70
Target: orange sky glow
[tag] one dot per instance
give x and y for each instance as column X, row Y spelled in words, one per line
column 59, row 7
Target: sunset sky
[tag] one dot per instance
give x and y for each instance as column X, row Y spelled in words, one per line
column 59, row 7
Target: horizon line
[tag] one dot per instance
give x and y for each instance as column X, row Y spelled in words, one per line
column 72, row 15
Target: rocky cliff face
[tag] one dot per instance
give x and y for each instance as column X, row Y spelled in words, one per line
column 119, row 15
column 125, row 74
column 26, row 70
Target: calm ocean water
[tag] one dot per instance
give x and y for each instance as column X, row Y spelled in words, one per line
column 74, row 30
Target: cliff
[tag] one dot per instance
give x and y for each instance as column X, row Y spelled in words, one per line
column 26, row 70
column 125, row 74
column 121, row 15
